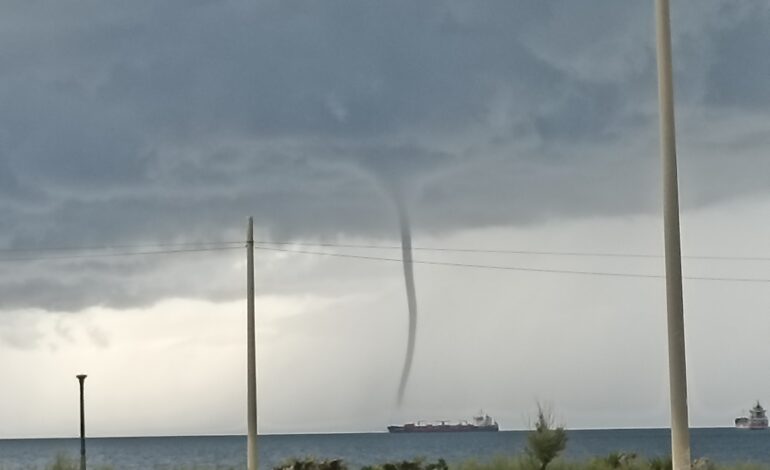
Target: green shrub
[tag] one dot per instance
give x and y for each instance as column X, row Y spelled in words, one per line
column 417, row 464
column 545, row 442
column 312, row 464
column 616, row 460
column 660, row 463
column 519, row 462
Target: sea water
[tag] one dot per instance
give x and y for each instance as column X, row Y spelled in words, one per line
column 725, row 445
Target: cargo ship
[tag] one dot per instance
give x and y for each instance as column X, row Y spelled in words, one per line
column 757, row 419
column 480, row 423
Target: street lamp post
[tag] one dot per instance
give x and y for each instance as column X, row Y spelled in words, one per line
column 251, row 366
column 81, row 379
column 677, row 370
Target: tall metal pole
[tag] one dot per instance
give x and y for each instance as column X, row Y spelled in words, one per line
column 81, row 379
column 251, row 412
column 677, row 369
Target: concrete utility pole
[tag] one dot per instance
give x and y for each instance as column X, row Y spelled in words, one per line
column 677, row 368
column 251, row 380
column 81, row 378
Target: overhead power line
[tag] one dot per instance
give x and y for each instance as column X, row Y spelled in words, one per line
column 235, row 244
column 511, row 268
column 117, row 254
column 597, row 254
column 229, row 246
column 119, row 247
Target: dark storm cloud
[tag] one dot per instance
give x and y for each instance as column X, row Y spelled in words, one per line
column 738, row 74
column 144, row 121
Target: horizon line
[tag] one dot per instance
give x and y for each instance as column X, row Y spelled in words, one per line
column 328, row 433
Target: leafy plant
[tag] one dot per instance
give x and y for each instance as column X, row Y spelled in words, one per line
column 312, row 464
column 660, row 463
column 416, row 464
column 618, row 459
column 546, row 441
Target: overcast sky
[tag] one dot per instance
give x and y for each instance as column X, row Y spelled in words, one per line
column 517, row 125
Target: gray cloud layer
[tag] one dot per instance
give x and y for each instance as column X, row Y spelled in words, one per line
column 146, row 121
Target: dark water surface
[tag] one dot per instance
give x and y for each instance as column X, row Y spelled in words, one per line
column 724, row 445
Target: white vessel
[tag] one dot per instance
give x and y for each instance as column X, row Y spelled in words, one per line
column 757, row 419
